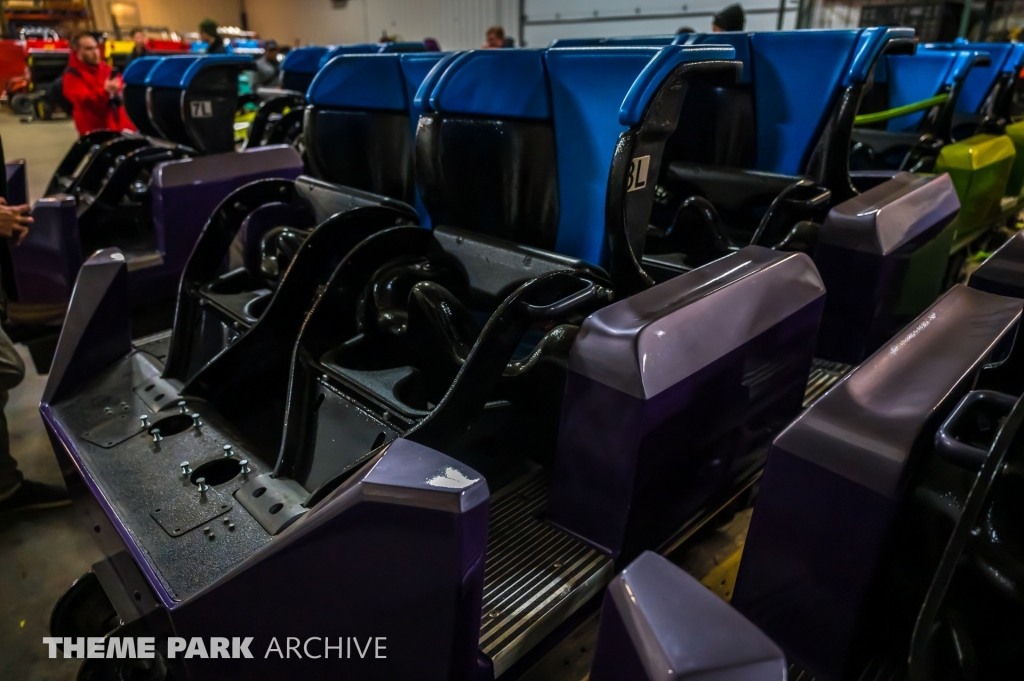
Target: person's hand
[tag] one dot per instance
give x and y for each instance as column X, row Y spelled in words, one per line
column 14, row 221
column 112, row 85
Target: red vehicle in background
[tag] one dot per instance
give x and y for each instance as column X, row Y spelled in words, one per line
column 29, row 63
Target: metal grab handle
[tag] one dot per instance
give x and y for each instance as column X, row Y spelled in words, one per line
column 960, row 453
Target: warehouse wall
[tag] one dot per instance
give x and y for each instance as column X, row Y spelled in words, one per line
column 177, row 15
column 456, row 24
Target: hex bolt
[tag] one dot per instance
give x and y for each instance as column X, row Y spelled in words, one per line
column 228, row 451
column 227, row 521
column 145, row 420
column 201, row 482
column 185, row 470
column 181, row 406
column 231, row 527
column 245, row 467
column 206, row 530
column 212, row 536
column 195, row 420
column 156, row 435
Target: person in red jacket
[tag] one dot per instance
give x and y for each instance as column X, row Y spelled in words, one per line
column 92, row 90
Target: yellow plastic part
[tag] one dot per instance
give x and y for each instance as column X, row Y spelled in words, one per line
column 980, row 168
column 722, row 580
column 1015, row 131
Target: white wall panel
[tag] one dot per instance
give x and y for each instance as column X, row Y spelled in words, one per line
column 456, row 24
column 546, row 20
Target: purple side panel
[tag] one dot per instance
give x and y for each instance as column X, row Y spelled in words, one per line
column 185, row 194
column 660, row 624
column 836, row 478
column 96, row 330
column 17, row 183
column 397, row 552
column 883, row 258
column 1003, row 272
column 47, row 261
column 673, row 395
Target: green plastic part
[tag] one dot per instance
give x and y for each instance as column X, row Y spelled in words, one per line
column 980, row 168
column 879, row 116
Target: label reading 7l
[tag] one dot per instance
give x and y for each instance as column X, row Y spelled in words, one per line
column 202, row 109
column 637, row 178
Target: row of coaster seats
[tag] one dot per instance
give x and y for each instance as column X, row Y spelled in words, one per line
column 375, row 332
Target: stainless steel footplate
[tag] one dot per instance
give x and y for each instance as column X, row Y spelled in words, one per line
column 824, row 375
column 535, row 575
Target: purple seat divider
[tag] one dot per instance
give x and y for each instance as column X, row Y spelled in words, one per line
column 1003, row 272
column 836, row 478
column 673, row 393
column 660, row 624
column 883, row 258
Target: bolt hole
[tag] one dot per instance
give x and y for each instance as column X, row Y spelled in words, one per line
column 96, row 529
column 86, row 432
column 156, row 511
column 177, row 529
column 138, row 596
column 276, row 508
column 217, row 471
column 259, row 491
column 148, row 388
column 159, row 397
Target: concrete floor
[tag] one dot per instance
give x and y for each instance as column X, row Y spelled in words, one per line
column 41, row 552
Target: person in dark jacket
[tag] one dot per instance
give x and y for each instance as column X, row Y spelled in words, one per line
column 92, row 89
column 16, row 493
column 140, row 49
column 208, row 33
column 732, row 18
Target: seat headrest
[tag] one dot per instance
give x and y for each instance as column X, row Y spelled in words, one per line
column 211, row 61
column 137, row 70
column 169, row 70
column 303, row 60
column 739, row 41
column 339, row 50
column 421, row 102
column 500, row 83
column 360, row 81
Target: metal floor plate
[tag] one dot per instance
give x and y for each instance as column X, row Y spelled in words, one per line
column 535, row 575
column 824, row 375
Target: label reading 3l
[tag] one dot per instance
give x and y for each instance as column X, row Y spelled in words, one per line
column 637, row 178
column 202, row 109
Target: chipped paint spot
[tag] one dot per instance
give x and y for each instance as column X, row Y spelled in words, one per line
column 451, row 478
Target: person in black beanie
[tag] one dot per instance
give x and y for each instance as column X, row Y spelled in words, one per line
column 732, row 18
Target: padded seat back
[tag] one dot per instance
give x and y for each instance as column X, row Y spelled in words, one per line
column 980, row 81
column 913, row 78
column 299, row 67
column 209, row 101
column 358, row 127
column 135, row 94
column 485, row 147
column 522, row 145
column 163, row 97
column 791, row 83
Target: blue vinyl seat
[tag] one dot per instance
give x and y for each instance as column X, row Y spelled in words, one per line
column 192, row 100
column 299, row 67
column 359, row 122
column 135, row 94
